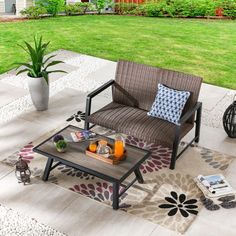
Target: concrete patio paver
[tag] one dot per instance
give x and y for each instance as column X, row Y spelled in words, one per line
column 38, row 200
column 10, row 93
column 98, row 219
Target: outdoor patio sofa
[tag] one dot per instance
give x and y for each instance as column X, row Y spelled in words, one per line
column 133, row 92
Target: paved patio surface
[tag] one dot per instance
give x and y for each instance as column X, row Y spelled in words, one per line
column 74, row 214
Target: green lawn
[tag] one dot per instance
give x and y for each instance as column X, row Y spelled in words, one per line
column 203, row 47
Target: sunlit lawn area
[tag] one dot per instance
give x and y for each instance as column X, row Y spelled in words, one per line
column 202, row 47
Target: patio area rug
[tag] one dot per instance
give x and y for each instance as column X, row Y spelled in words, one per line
column 169, row 198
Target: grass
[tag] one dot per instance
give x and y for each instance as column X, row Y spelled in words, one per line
column 202, row 47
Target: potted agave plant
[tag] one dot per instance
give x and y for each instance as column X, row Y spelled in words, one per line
column 38, row 72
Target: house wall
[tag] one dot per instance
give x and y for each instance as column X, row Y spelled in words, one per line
column 21, row 4
column 72, row 1
column 29, row 3
column 2, row 6
column 130, row 1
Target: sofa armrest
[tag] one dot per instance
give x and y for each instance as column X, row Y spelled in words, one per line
column 100, row 89
column 190, row 113
column 95, row 93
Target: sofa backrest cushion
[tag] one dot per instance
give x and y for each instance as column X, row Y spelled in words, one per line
column 140, row 82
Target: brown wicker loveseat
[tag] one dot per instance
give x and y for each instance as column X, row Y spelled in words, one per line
column 133, row 91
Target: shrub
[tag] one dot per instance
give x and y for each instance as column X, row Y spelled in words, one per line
column 70, row 9
column 126, row 8
column 179, row 8
column 203, row 8
column 85, row 6
column 155, row 9
column 34, row 12
column 53, row 6
column 228, row 6
column 102, row 4
column 78, row 8
column 138, row 10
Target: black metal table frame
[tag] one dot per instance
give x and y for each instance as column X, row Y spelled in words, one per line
column 115, row 182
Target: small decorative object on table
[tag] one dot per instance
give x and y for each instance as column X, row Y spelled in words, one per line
column 103, row 151
column 229, row 119
column 103, row 148
column 22, row 171
column 61, row 146
column 57, row 138
column 93, row 147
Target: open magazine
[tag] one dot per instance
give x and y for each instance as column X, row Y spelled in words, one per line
column 83, row 135
column 214, row 185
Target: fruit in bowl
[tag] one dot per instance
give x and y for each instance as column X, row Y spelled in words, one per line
column 61, row 146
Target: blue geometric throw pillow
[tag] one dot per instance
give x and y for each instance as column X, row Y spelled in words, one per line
column 169, row 104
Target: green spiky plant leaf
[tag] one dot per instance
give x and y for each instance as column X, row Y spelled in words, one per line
column 38, row 67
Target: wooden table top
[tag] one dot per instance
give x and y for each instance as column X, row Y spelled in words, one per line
column 76, row 154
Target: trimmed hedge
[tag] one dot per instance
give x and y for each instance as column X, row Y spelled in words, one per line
column 38, row 11
column 34, row 12
column 180, row 8
column 79, row 8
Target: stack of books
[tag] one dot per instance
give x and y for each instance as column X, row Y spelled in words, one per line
column 214, row 185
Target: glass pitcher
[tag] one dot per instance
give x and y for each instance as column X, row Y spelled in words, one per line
column 103, row 148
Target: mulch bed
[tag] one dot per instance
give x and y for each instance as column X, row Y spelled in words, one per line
column 6, row 19
column 17, row 19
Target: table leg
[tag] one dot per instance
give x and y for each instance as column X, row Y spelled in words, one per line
column 139, row 176
column 115, row 203
column 47, row 169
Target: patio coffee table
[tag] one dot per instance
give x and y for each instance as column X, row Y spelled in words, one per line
column 75, row 157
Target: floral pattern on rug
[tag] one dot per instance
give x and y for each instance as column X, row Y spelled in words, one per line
column 175, row 203
column 25, row 152
column 215, row 160
column 160, row 156
column 74, row 173
column 170, row 200
column 226, row 202
column 78, row 117
column 168, row 197
column 100, row 191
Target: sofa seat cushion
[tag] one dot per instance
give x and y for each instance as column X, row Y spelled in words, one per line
column 135, row 122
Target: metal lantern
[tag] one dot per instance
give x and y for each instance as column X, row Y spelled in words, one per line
column 229, row 119
column 22, row 171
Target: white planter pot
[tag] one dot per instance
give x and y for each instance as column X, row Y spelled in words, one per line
column 39, row 92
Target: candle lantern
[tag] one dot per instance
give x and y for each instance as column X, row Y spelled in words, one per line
column 22, row 171
column 229, row 119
